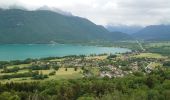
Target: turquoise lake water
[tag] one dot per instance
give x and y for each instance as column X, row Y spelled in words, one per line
column 23, row 51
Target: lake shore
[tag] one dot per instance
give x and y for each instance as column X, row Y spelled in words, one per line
column 24, row 51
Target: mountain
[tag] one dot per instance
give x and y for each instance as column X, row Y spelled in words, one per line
column 43, row 26
column 116, row 36
column 55, row 10
column 154, row 33
column 123, row 28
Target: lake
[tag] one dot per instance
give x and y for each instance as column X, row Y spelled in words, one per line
column 23, row 51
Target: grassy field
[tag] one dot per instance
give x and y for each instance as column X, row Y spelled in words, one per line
column 158, row 44
column 20, row 71
column 162, row 48
column 20, row 66
column 155, row 65
column 95, row 71
column 60, row 74
column 57, row 59
column 149, row 55
column 97, row 57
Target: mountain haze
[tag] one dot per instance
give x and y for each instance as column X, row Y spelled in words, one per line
column 123, row 28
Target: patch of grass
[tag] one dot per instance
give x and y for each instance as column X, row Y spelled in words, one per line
column 97, row 57
column 149, row 55
column 20, row 66
column 154, row 64
column 20, row 71
column 60, row 74
column 61, row 59
column 28, row 79
column 158, row 44
column 95, row 71
column 162, row 48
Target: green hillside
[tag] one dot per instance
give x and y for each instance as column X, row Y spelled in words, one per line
column 42, row 26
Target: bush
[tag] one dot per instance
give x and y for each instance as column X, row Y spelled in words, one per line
column 40, row 77
column 166, row 63
column 75, row 69
column 56, row 68
column 36, row 67
column 66, row 69
column 52, row 73
column 111, row 56
column 140, row 74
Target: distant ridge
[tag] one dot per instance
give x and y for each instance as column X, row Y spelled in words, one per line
column 154, row 33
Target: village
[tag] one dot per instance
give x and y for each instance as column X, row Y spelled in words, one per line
column 71, row 67
column 110, row 66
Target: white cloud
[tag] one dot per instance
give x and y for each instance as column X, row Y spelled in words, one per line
column 129, row 12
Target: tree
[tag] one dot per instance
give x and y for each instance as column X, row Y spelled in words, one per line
column 75, row 68
column 52, row 73
column 56, row 67
column 66, row 69
column 153, row 95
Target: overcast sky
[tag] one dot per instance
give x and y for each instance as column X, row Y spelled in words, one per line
column 116, row 12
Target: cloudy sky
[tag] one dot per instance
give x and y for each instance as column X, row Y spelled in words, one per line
column 103, row 12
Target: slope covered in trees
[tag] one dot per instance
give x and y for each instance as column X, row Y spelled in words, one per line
column 43, row 26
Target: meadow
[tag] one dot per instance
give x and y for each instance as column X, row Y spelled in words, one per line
column 149, row 55
column 60, row 74
column 158, row 47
